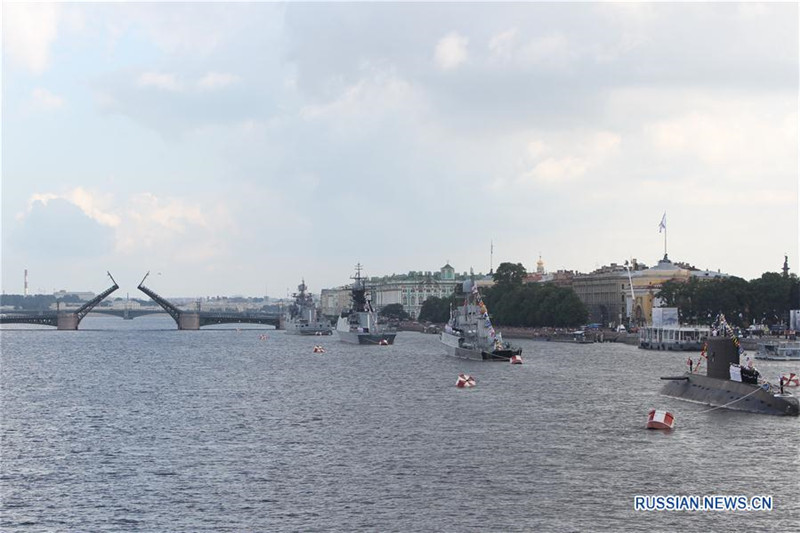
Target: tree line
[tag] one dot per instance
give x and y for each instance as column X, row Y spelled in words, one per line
column 514, row 303
column 766, row 300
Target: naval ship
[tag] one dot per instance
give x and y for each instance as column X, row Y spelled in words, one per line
column 359, row 325
column 730, row 385
column 301, row 316
column 469, row 334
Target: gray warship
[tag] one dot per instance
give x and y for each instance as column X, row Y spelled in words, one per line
column 359, row 325
column 301, row 317
column 729, row 385
column 469, row 333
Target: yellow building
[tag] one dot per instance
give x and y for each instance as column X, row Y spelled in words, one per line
column 648, row 282
column 621, row 294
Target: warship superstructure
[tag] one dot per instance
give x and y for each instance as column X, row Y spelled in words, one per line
column 301, row 316
column 470, row 335
column 359, row 325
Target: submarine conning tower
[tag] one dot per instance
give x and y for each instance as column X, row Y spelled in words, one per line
column 721, row 353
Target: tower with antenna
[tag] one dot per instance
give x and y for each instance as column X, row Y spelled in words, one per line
column 25, row 286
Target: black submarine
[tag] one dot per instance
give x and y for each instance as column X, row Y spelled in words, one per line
column 728, row 385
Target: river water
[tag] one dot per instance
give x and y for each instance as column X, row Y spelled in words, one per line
column 135, row 426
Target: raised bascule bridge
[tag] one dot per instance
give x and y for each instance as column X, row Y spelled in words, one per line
column 187, row 320
column 64, row 320
column 193, row 320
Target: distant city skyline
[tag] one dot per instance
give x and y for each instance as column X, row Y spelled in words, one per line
column 237, row 148
column 290, row 290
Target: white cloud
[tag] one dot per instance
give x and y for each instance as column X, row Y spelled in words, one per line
column 168, row 81
column 29, row 30
column 217, row 80
column 451, row 51
column 376, row 94
column 147, row 221
column 501, row 45
column 553, row 50
column 568, row 158
column 159, row 80
column 743, row 135
column 44, row 100
column 554, row 170
column 93, row 205
column 179, row 230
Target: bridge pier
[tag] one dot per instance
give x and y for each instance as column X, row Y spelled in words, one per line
column 189, row 321
column 67, row 321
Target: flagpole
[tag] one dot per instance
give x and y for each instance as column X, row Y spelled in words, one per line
column 665, row 241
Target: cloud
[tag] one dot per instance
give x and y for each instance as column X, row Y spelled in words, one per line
column 377, row 93
column 174, row 228
column 159, row 80
column 170, row 82
column 58, row 229
column 501, row 45
column 553, row 50
column 568, row 158
column 44, row 100
column 217, row 80
column 29, row 30
column 142, row 222
column 91, row 204
column 451, row 51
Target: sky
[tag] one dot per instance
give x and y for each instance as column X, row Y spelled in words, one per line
column 237, row 148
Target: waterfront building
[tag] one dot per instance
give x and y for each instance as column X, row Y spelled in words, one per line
column 562, row 278
column 409, row 290
column 603, row 293
column 333, row 301
column 413, row 289
column 619, row 294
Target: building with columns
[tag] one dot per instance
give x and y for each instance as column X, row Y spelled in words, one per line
column 409, row 290
column 623, row 294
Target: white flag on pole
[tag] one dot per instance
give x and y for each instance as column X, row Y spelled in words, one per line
column 663, row 224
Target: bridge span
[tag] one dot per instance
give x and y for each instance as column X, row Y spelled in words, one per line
column 188, row 320
column 194, row 320
column 64, row 320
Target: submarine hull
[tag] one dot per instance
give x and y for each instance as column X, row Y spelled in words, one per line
column 731, row 394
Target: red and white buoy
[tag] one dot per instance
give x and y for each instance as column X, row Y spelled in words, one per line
column 790, row 379
column 465, row 381
column 383, row 342
column 319, row 349
column 516, row 360
column 660, row 419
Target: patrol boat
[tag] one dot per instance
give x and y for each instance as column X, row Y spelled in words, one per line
column 359, row 325
column 470, row 335
column 301, row 316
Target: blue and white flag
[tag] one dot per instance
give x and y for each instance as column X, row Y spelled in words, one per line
column 663, row 224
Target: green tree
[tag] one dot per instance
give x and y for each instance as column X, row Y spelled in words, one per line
column 535, row 305
column 509, row 275
column 772, row 296
column 435, row 310
column 395, row 311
